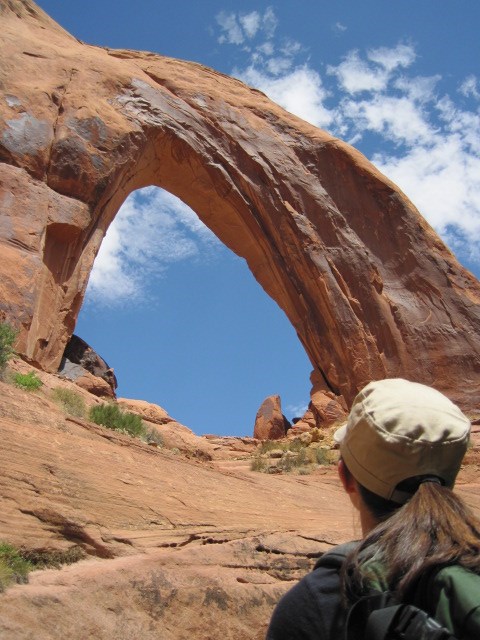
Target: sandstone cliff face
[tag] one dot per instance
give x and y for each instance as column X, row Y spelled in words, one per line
column 367, row 284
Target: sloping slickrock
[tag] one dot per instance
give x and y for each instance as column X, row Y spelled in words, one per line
column 366, row 283
column 66, row 483
column 206, row 592
column 175, row 549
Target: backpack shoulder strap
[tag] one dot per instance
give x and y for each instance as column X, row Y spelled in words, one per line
column 378, row 616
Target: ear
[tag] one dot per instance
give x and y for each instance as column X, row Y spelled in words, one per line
column 349, row 483
column 346, row 478
column 352, row 489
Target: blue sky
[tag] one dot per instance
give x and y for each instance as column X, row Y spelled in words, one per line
column 177, row 315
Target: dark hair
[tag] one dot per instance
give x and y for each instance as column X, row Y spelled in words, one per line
column 435, row 527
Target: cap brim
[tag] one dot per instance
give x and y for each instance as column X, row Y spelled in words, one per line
column 339, row 434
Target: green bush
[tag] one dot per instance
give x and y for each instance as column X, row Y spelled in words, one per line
column 70, row 401
column 111, row 416
column 13, row 567
column 28, row 381
column 7, row 338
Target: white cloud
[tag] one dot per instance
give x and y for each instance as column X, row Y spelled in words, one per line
column 295, row 410
column 390, row 58
column 266, row 49
column 111, row 277
column 276, row 66
column 443, row 181
column 469, row 87
column 299, row 91
column 355, row 75
column 232, row 31
column 250, row 23
column 339, row 28
column 399, row 120
column 418, row 88
column 152, row 230
column 290, row 48
column 237, row 27
column 269, row 22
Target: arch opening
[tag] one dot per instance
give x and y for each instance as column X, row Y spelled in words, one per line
column 184, row 323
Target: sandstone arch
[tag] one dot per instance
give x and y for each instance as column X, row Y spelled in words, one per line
column 369, row 287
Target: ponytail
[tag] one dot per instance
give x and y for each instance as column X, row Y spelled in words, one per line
column 435, row 527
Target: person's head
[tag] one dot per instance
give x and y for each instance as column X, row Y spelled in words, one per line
column 400, row 434
column 401, row 450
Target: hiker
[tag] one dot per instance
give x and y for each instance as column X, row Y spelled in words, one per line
column 401, row 450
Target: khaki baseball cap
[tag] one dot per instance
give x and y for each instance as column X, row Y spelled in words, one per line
column 397, row 430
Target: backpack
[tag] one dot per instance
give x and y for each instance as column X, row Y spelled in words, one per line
column 453, row 591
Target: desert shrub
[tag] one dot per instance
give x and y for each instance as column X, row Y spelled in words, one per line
column 321, row 456
column 291, row 461
column 52, row 559
column 70, row 401
column 297, row 457
column 13, row 567
column 110, row 415
column 286, row 464
column 152, row 435
column 259, row 464
column 28, row 381
column 304, row 471
column 303, row 457
column 269, row 445
column 289, row 445
column 7, row 338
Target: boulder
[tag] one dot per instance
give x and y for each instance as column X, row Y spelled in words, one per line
column 94, row 384
column 326, row 408
column 82, row 364
column 147, row 411
column 79, row 352
column 270, row 423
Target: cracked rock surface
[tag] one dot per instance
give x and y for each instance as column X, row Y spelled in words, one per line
column 174, row 546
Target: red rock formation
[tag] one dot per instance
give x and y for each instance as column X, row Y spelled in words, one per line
column 270, row 423
column 174, row 548
column 367, row 284
column 206, row 546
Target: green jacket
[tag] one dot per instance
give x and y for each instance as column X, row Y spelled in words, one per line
column 451, row 596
